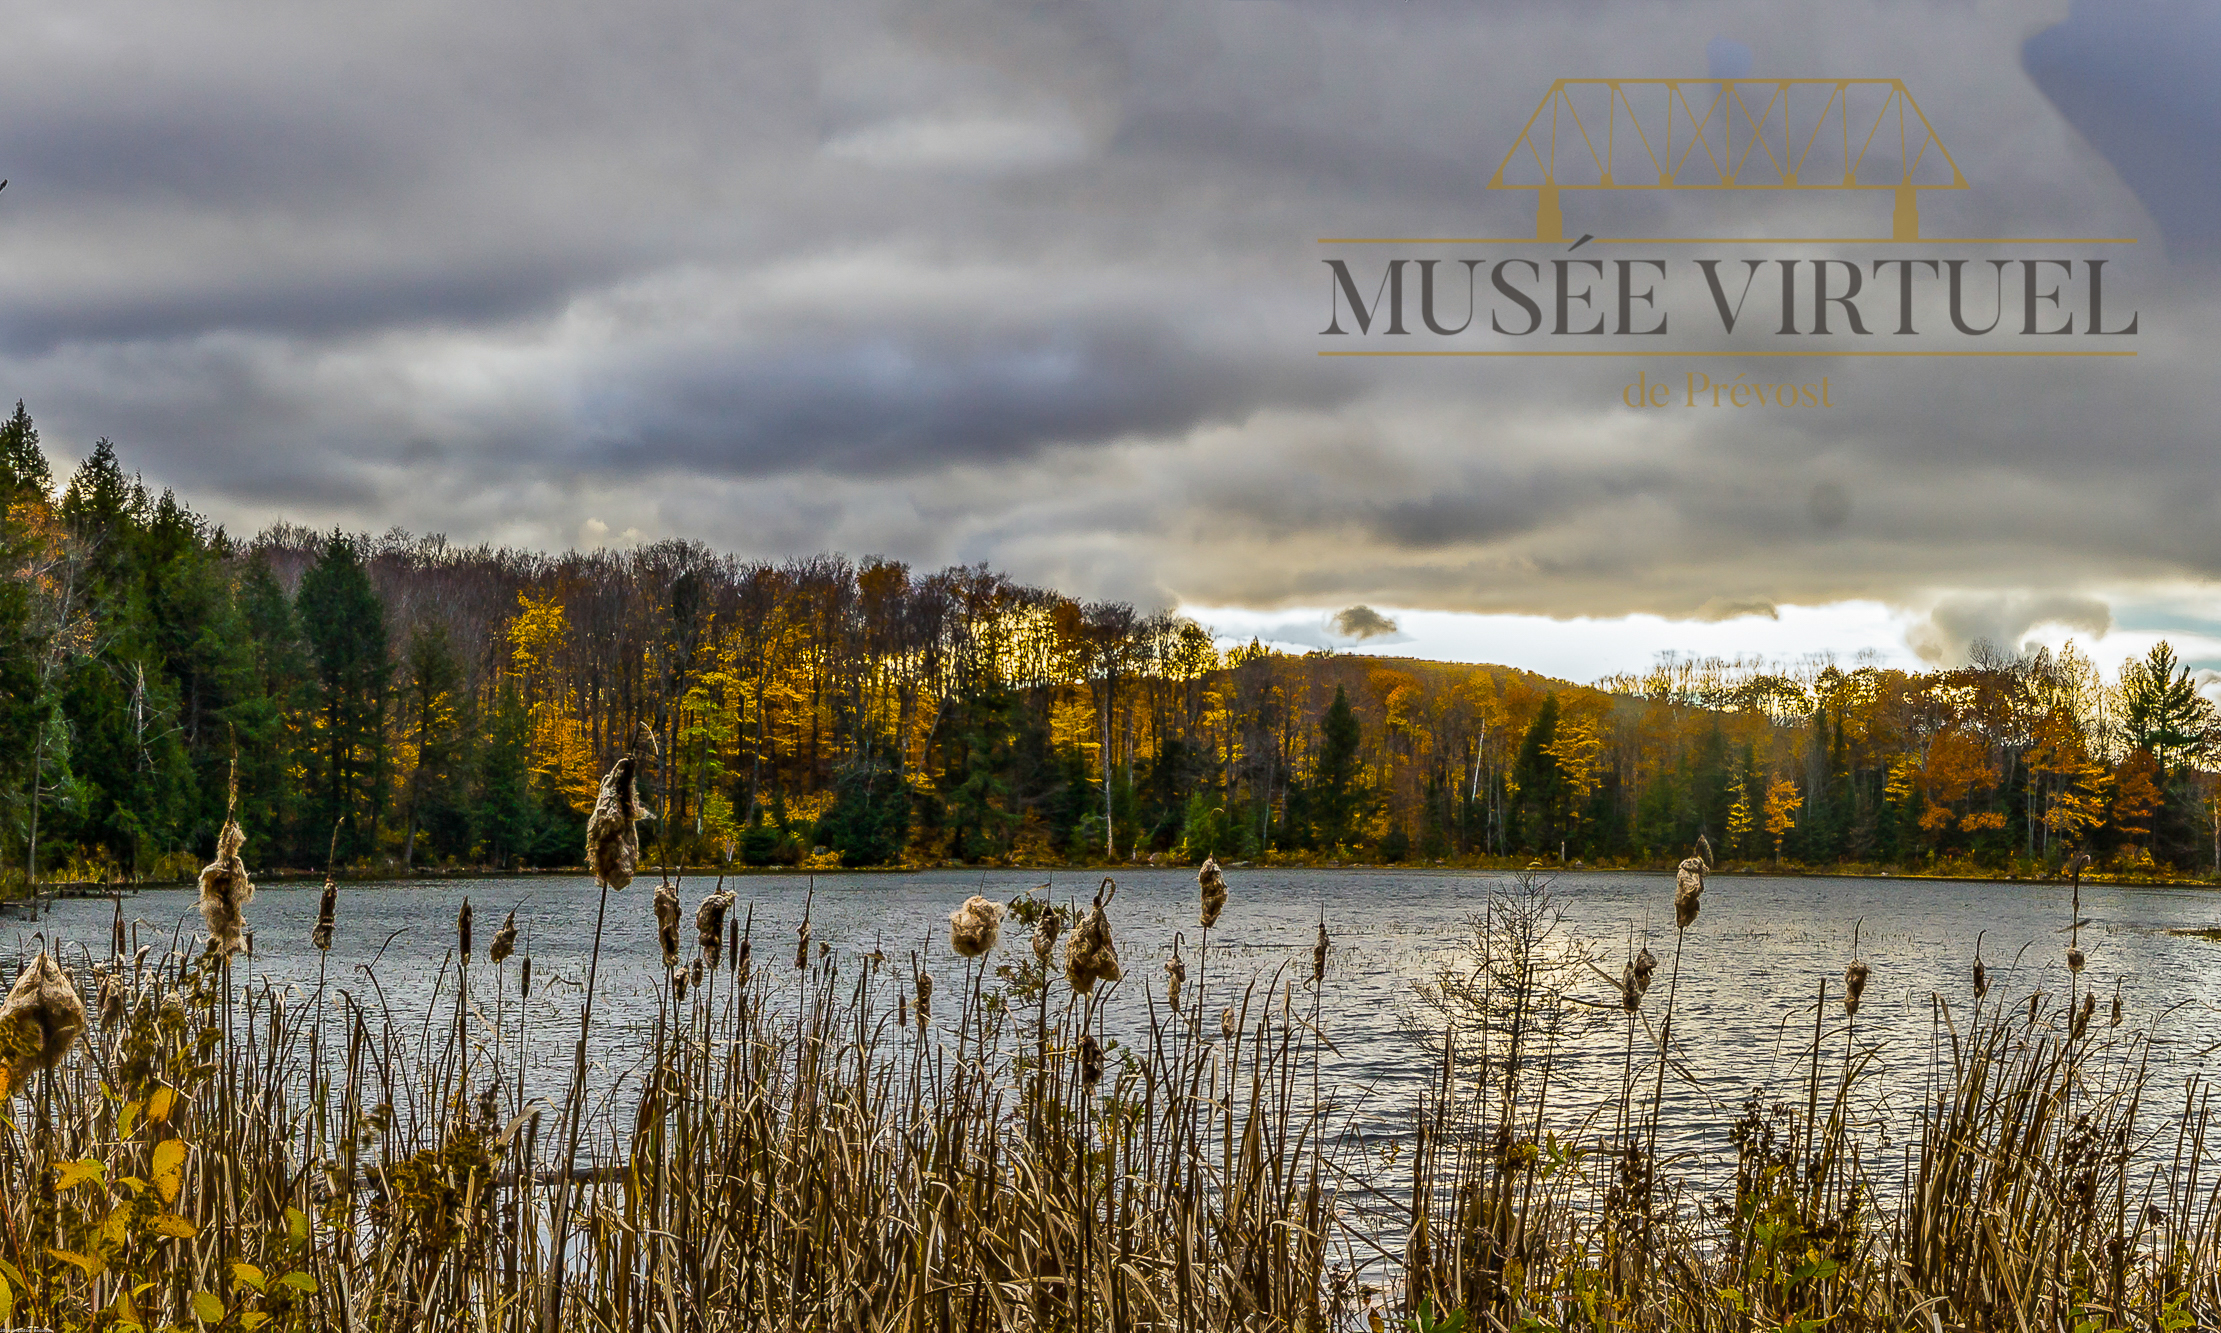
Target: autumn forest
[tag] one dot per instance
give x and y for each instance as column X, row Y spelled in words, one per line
column 397, row 702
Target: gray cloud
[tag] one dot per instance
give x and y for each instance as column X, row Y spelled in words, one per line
column 1039, row 286
column 1957, row 624
column 1362, row 622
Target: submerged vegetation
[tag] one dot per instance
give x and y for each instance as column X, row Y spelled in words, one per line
column 822, row 1144
column 397, row 703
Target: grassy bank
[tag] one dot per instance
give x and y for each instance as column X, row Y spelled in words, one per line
column 819, row 1140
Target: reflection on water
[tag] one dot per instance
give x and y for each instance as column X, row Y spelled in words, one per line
column 1749, row 971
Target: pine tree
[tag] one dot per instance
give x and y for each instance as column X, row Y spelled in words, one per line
column 1337, row 794
column 346, row 629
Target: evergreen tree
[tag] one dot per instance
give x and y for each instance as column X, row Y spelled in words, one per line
column 346, row 629
column 1337, row 779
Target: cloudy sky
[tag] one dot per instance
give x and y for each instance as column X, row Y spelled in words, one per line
column 1039, row 284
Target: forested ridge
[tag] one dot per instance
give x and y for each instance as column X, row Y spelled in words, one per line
column 403, row 702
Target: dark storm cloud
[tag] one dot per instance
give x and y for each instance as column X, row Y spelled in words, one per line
column 1039, row 285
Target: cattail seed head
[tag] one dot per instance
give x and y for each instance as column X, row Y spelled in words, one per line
column 612, row 840
column 667, row 923
column 1318, row 954
column 327, row 915
column 1981, row 980
column 1646, row 966
column 462, row 930
column 118, row 940
column 42, row 1018
column 925, row 1000
column 524, row 978
column 505, row 940
column 1226, row 1022
column 709, row 923
column 1630, row 992
column 1091, row 1060
column 1090, row 955
column 1212, row 882
column 2082, row 1015
column 1854, row 985
column 2076, row 959
column 973, row 927
column 802, row 945
column 225, row 891
column 678, row 984
column 113, row 1009
column 1688, row 888
column 1175, row 976
column 902, row 1008
column 694, row 972
column 1045, row 932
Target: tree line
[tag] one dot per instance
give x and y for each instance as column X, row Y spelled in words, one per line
column 395, row 702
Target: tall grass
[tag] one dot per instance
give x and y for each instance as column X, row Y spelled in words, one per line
column 804, row 1151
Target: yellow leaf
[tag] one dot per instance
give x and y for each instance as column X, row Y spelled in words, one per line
column 161, row 1103
column 113, row 1229
column 170, row 1224
column 208, row 1307
column 300, row 1282
column 169, row 1168
column 130, row 1117
column 252, row 1320
column 92, row 1264
column 67, row 1174
column 248, row 1274
column 296, row 1225
column 7, row 1302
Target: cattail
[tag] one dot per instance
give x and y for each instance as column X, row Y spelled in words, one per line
column 802, row 945
column 1226, row 1022
column 902, row 1008
column 2082, row 1015
column 738, row 946
column 667, row 922
column 1091, row 1060
column 709, row 923
column 1175, row 975
column 113, row 1009
column 973, row 927
column 1981, row 979
column 226, row 891
column 1630, row 990
column 1090, row 956
column 524, row 979
column 1688, row 888
column 117, row 939
column 462, row 930
column 1854, row 985
column 2076, row 959
column 43, row 1016
column 327, row 914
column 1318, row 954
column 1045, row 932
column 2116, row 1019
column 1213, row 884
column 1646, row 965
column 695, row 971
column 678, row 984
column 505, row 940
column 925, row 999
column 612, row 841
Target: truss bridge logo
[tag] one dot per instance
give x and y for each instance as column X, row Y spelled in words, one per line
column 1858, row 154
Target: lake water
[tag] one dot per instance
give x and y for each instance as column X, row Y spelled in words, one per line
column 1749, row 968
